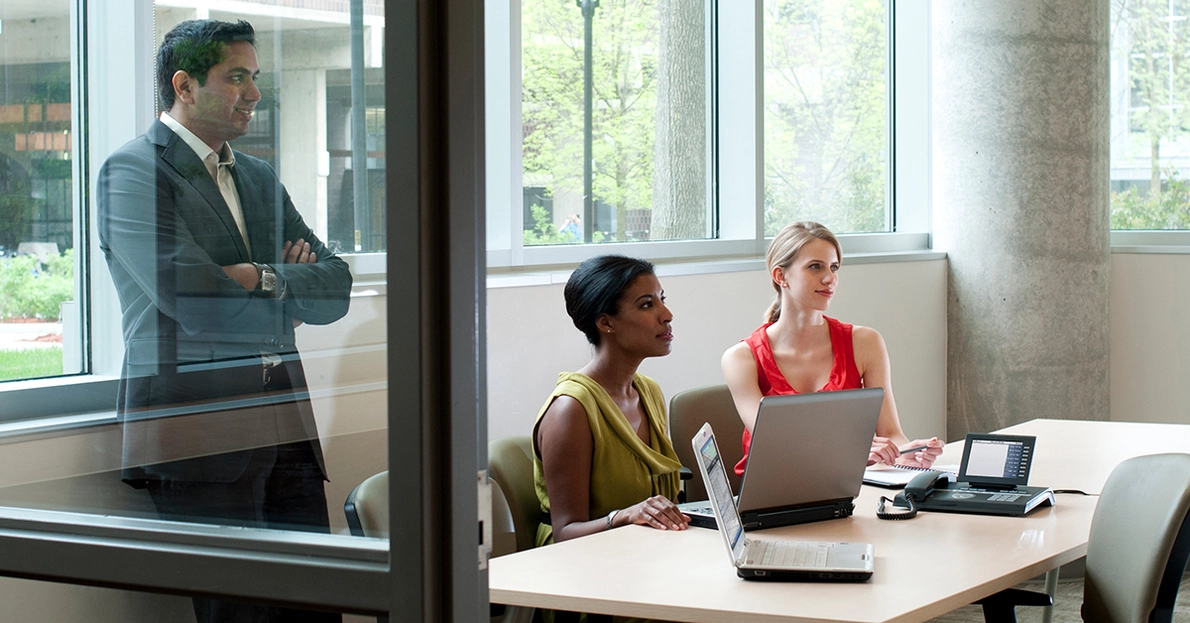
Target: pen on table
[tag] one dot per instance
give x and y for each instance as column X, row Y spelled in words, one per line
column 913, row 449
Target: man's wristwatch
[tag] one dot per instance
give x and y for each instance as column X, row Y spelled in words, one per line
column 267, row 284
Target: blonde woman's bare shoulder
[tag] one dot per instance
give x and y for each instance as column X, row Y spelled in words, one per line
column 737, row 353
column 866, row 339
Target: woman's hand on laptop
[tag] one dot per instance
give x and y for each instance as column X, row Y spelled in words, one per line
column 884, row 450
column 658, row 512
column 924, row 457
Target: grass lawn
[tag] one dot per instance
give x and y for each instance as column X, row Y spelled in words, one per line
column 30, row 363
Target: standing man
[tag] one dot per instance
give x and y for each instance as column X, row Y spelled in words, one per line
column 215, row 268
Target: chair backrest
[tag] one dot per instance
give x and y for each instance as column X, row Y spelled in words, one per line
column 688, row 411
column 510, row 467
column 367, row 507
column 1138, row 545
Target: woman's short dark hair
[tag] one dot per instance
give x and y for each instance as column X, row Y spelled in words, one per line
column 195, row 46
column 595, row 288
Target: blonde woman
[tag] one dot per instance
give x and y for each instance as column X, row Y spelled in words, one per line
column 800, row 349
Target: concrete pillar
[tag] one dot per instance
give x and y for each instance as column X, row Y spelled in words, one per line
column 1020, row 205
column 303, row 144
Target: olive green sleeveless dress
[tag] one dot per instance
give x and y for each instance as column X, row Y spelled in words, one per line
column 624, row 471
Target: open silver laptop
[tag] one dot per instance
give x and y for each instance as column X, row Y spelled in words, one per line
column 807, row 459
column 774, row 560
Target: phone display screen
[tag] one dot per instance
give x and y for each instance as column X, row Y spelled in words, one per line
column 998, row 460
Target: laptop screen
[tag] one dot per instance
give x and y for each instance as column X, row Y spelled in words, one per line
column 720, row 488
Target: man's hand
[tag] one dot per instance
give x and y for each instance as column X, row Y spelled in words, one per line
column 245, row 274
column 297, row 253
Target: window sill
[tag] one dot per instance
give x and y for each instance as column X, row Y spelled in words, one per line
column 1155, row 242
column 58, row 398
column 559, row 274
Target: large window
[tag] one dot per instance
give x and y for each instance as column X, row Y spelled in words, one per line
column 38, row 301
column 615, row 111
column 826, row 142
column 1150, row 114
column 703, row 126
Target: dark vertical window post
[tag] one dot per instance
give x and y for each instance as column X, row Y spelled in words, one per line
column 588, row 7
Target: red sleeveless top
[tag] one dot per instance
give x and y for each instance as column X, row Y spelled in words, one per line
column 844, row 373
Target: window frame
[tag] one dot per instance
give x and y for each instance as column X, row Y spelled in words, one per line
column 739, row 163
column 429, row 565
column 1159, row 241
column 739, row 139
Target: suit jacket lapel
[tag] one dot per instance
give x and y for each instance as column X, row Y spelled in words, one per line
column 259, row 217
column 179, row 156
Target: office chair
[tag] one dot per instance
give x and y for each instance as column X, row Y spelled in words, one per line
column 515, row 508
column 1137, row 550
column 367, row 507
column 510, row 468
column 688, row 411
column 515, row 505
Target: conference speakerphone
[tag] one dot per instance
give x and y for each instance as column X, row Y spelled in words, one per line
column 992, row 480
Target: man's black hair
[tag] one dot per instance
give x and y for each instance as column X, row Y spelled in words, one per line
column 194, row 46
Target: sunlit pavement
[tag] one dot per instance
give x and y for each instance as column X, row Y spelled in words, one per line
column 24, row 335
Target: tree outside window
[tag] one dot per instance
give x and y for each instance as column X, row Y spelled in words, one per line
column 649, row 121
column 825, row 101
column 1150, row 136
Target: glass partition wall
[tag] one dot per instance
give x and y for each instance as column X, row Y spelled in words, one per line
column 237, row 303
column 39, row 302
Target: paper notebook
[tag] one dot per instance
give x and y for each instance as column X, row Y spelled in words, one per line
column 897, row 476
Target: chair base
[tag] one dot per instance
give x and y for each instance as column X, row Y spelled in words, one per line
column 1001, row 607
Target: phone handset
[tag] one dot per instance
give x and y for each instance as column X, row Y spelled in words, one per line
column 917, row 490
column 924, row 484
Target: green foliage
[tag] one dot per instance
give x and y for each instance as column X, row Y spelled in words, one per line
column 625, row 40
column 30, row 363
column 30, row 289
column 1168, row 209
column 544, row 231
column 825, row 113
column 1157, row 104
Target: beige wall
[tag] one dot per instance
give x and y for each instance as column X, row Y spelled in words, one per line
column 531, row 339
column 1150, row 338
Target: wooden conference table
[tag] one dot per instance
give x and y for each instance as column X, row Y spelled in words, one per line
column 924, row 567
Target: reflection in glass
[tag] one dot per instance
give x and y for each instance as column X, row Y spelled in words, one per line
column 250, row 397
column 37, row 276
column 643, row 120
column 825, row 124
column 225, row 373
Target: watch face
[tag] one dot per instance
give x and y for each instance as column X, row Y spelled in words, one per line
column 268, row 280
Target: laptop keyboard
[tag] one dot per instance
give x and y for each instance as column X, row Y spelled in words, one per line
column 793, row 554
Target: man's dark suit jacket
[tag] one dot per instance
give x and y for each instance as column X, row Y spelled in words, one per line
column 191, row 392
